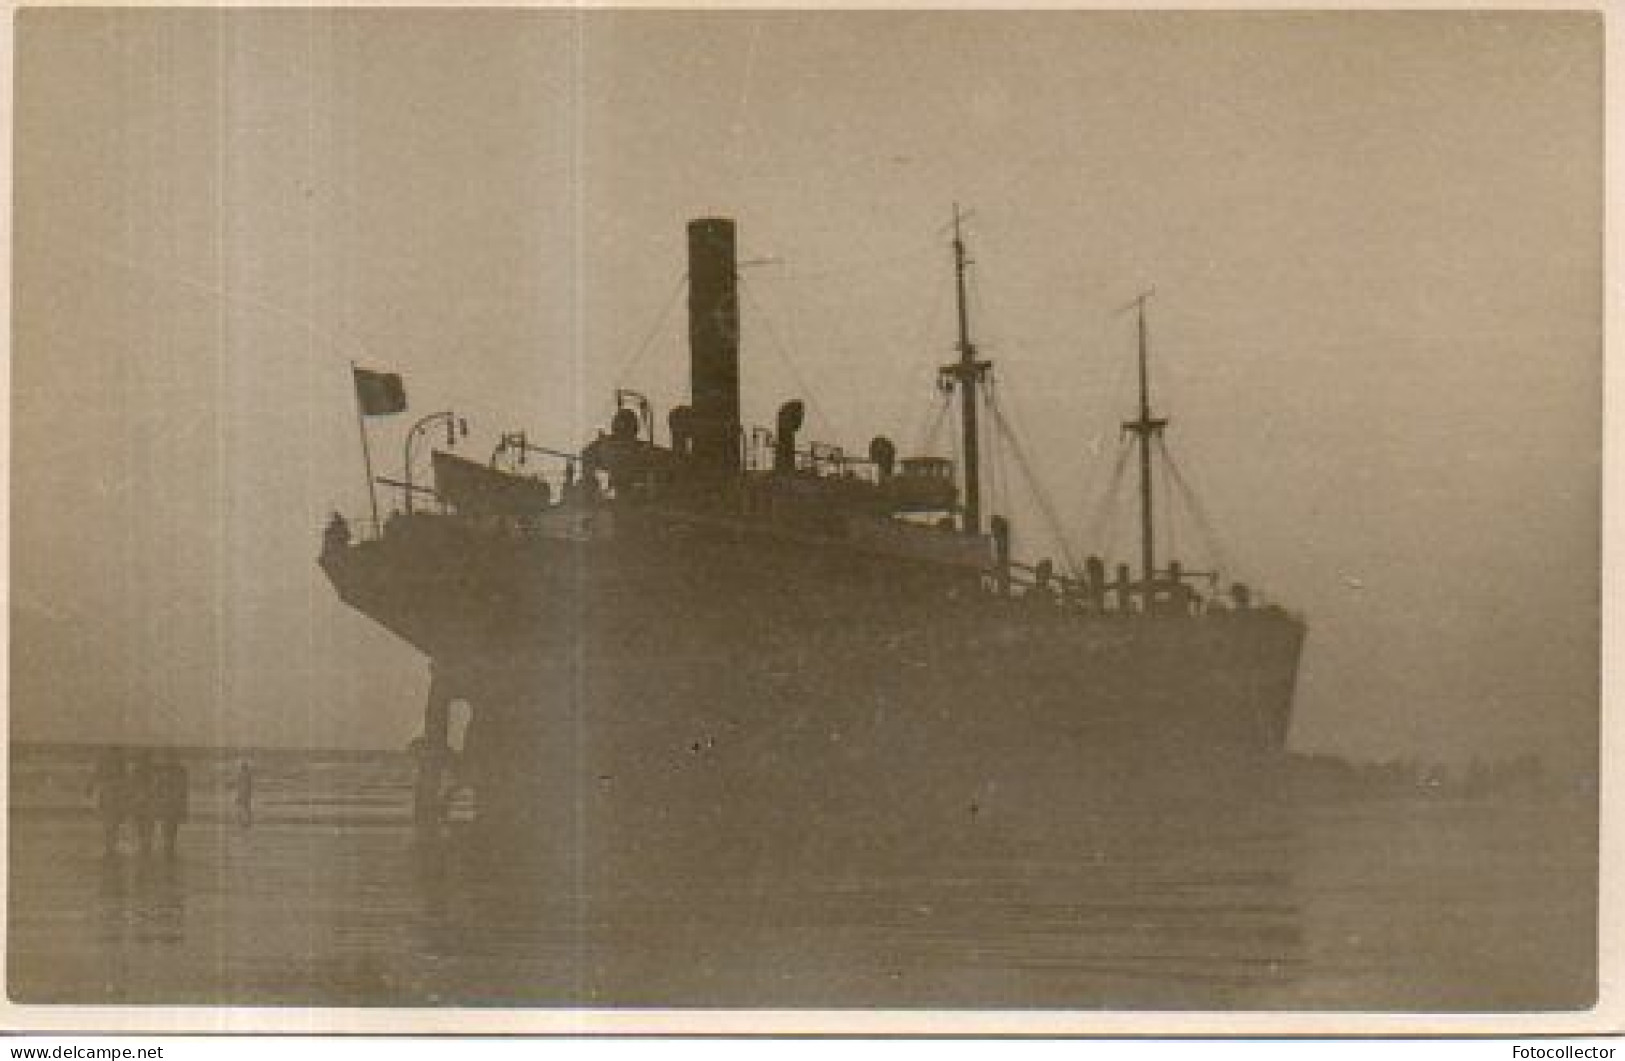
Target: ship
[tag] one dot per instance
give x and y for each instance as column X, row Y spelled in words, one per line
column 733, row 640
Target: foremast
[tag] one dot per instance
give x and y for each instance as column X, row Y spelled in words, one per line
column 966, row 374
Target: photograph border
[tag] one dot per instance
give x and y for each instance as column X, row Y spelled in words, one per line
column 1605, row 1017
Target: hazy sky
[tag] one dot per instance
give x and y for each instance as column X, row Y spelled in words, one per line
column 1375, row 241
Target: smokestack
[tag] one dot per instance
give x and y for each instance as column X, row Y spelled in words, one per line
column 713, row 341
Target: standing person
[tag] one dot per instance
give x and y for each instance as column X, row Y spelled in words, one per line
column 140, row 802
column 110, row 785
column 170, row 799
column 245, row 793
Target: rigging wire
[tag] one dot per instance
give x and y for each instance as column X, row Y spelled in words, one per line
column 1056, row 524
column 1000, row 479
column 805, row 391
column 931, row 425
column 1052, row 519
column 1102, row 411
column 1102, row 525
column 996, row 479
column 929, row 433
column 1170, row 522
column 660, row 322
column 1221, row 559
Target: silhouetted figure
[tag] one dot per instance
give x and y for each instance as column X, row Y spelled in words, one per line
column 140, row 803
column 170, row 798
column 110, row 786
column 244, row 786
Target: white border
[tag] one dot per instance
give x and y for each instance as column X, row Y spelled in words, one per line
column 1607, row 1017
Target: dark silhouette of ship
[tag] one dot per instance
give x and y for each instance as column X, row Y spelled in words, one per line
column 736, row 640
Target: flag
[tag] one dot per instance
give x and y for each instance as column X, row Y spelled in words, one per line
column 380, row 393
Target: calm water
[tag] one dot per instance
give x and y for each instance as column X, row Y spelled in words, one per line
column 1417, row 903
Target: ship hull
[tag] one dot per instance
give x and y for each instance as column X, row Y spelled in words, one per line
column 706, row 697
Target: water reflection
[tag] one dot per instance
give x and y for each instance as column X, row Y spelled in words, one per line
column 160, row 909
column 1397, row 904
column 1193, row 909
column 140, row 904
column 113, row 926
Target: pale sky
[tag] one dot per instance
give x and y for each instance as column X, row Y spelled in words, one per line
column 1375, row 241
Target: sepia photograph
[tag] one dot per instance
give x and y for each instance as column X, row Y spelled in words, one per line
column 525, row 510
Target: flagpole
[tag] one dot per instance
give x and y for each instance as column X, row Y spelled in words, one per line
column 366, row 452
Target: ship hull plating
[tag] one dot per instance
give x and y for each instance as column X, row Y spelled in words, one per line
column 670, row 687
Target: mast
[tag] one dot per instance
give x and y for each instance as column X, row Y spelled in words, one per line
column 967, row 372
column 1145, row 427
